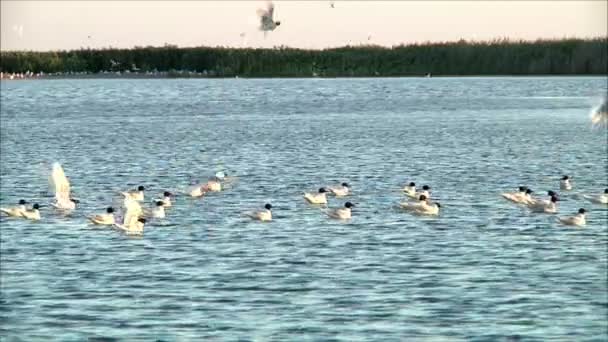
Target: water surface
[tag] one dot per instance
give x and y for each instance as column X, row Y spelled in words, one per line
column 483, row 270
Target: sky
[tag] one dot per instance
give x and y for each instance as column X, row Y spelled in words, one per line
column 59, row 25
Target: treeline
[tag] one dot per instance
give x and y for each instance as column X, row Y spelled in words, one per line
column 498, row 57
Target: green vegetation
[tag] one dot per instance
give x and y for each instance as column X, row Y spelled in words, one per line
column 498, row 57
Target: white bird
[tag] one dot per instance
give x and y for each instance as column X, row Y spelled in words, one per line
column 213, row 185
column 196, row 190
column 104, row 219
column 520, row 196
column 576, row 220
column 410, row 190
column 158, row 211
column 342, row 213
column 426, row 208
column 15, row 211
column 61, row 187
column 426, row 192
column 341, row 191
column 166, row 199
column 598, row 199
column 542, row 206
column 136, row 195
column 133, row 222
column 32, row 214
column 267, row 22
column 599, row 114
column 318, row 198
column 422, row 201
column 262, row 215
column 565, row 183
column 537, row 201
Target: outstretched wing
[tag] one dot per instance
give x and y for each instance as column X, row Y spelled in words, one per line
column 270, row 10
column 133, row 212
column 60, row 183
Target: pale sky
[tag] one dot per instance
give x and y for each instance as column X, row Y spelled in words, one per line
column 54, row 25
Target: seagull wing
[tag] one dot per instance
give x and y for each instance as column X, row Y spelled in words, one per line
column 133, row 212
column 60, row 183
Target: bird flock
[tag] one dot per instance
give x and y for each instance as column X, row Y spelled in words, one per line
column 417, row 201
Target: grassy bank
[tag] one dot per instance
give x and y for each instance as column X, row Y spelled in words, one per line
column 499, row 57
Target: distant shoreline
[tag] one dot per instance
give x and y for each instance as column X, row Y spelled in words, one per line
column 461, row 58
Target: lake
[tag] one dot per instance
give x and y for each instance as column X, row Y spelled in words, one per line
column 483, row 270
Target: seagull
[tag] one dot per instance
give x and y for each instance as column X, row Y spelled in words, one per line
column 331, row 4
column 342, row 213
column 565, row 183
column 341, row 191
column 318, row 198
column 576, row 220
column 262, row 215
column 15, row 211
column 136, row 195
column 599, row 114
column 133, row 222
column 104, row 219
column 267, row 23
column 32, row 214
column 61, row 186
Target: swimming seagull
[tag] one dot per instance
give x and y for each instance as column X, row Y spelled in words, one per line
column 342, row 213
column 340, row 191
column 520, row 196
column 267, row 23
column 426, row 208
column 32, row 214
column 133, row 222
column 599, row 114
column 15, row 211
column 103, row 219
column 549, row 207
column 422, row 201
column 136, row 195
column 410, row 189
column 61, row 186
column 598, row 199
column 318, row 198
column 158, row 211
column 262, row 215
column 565, row 184
column 576, row 220
column 166, row 199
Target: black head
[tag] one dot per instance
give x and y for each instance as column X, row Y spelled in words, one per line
column 582, row 211
column 422, row 198
column 551, row 193
column 438, row 205
column 109, row 210
column 159, row 203
column 529, row 191
column 23, row 202
column 348, row 205
column 565, row 178
column 426, row 187
column 74, row 200
column 36, row 206
column 167, row 194
column 277, row 23
column 522, row 189
column 140, row 188
column 141, row 219
column 412, row 184
column 554, row 199
column 268, row 206
column 606, row 191
column 322, row 190
column 345, row 184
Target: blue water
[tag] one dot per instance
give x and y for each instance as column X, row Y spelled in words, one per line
column 483, row 270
